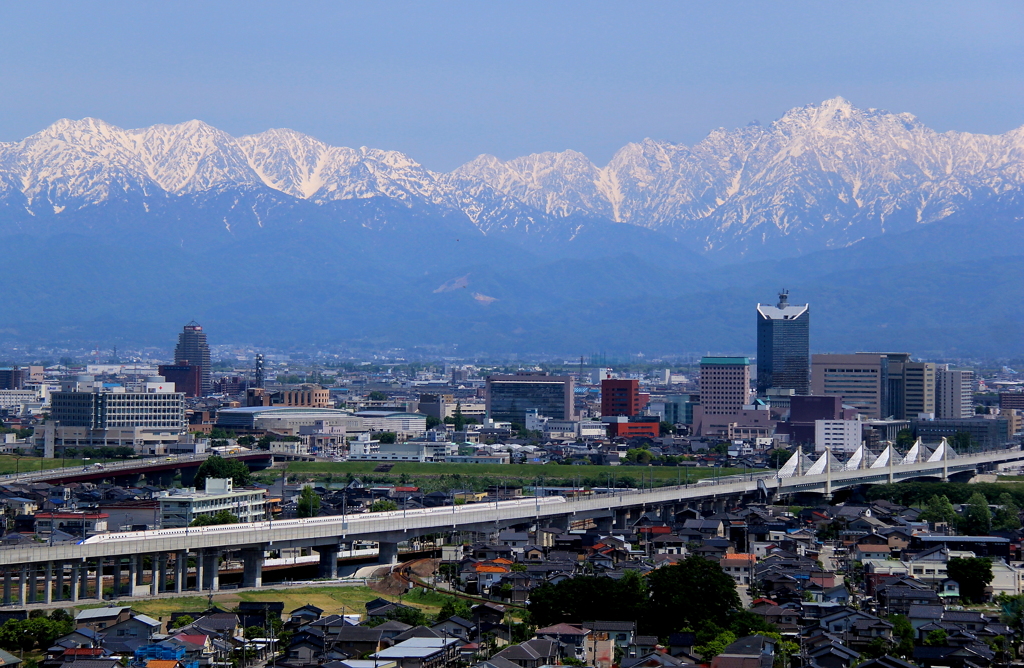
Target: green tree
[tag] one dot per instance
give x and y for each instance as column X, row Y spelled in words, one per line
column 905, row 439
column 41, row 631
column 973, row 574
column 691, row 593
column 454, row 607
column 60, row 615
column 383, row 505
column 404, row 614
column 1007, row 515
column 309, row 502
column 377, row 395
column 903, row 635
column 1012, row 609
column 178, row 622
column 218, row 467
column 977, row 517
column 220, row 517
column 716, row 646
column 747, row 623
column 640, row 456
column 778, row 457
column 387, row 437
column 938, row 509
column 457, row 419
column 666, row 428
column 720, row 449
column 877, row 648
column 578, row 597
column 936, row 638
column 432, row 422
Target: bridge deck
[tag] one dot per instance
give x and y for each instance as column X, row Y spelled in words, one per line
column 406, row 524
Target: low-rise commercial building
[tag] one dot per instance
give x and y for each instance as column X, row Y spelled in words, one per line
column 406, row 425
column 409, row 451
column 179, row 508
column 73, row 522
column 985, row 432
column 496, row 458
column 284, row 420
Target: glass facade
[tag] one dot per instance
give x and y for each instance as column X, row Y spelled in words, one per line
column 783, row 349
column 510, row 398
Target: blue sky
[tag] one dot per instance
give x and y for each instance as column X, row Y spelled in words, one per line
column 447, row 81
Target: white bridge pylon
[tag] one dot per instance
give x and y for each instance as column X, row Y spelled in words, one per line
column 862, row 458
column 800, row 465
column 797, row 465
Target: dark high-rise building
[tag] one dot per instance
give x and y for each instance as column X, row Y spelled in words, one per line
column 509, row 397
column 12, row 378
column 187, row 379
column 783, row 346
column 621, row 397
column 192, row 350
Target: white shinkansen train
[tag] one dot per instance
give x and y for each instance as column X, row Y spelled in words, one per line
column 445, row 511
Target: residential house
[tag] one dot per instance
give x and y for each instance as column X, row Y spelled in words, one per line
column 739, row 566
column 99, row 619
column 532, row 653
column 748, row 652
column 139, row 626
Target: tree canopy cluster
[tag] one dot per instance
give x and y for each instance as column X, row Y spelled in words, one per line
column 309, row 503
column 978, row 518
column 913, row 493
column 973, row 574
column 40, row 631
column 643, row 457
column 220, row 517
column 692, row 594
column 218, row 467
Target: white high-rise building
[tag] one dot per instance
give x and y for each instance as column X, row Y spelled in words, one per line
column 839, row 436
column 954, row 394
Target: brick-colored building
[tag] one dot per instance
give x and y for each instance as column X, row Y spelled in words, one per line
column 622, row 397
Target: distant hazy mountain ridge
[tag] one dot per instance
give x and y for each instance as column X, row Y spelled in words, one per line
column 822, row 176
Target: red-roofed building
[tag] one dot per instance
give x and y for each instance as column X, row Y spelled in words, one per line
column 740, row 567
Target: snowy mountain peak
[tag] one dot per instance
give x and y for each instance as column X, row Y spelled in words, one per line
column 820, row 176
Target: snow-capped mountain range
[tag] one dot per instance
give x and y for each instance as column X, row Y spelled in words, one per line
column 821, row 176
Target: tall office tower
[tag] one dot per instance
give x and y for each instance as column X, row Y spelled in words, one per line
column 862, row 380
column 622, row 397
column 12, row 378
column 911, row 387
column 783, row 346
column 918, row 389
column 259, row 380
column 954, row 394
column 192, row 350
column 509, row 397
column 724, row 385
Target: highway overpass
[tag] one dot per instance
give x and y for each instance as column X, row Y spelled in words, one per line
column 157, row 561
column 133, row 469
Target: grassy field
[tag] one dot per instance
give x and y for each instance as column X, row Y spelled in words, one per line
column 10, row 464
column 447, row 476
column 334, row 600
